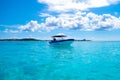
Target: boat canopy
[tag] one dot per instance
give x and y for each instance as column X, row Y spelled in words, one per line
column 59, row 36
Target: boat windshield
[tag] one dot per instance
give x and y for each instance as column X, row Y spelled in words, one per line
column 58, row 36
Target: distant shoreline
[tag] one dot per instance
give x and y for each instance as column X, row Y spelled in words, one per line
column 33, row 39
column 23, row 39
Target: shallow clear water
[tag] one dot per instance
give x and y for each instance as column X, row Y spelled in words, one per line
column 41, row 61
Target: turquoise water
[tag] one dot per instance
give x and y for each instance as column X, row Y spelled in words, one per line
column 41, row 61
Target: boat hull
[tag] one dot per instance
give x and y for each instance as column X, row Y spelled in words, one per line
column 62, row 42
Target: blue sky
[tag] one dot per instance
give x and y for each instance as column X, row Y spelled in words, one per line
column 90, row 19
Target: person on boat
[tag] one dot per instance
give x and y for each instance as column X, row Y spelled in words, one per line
column 54, row 39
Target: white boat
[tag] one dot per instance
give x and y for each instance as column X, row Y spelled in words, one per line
column 59, row 39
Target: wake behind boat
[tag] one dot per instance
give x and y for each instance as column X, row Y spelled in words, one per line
column 60, row 39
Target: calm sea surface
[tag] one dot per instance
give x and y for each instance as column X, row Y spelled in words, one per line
column 40, row 61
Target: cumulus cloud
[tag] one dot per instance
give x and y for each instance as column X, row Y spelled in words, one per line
column 79, row 20
column 67, row 5
column 84, row 21
column 34, row 26
column 30, row 26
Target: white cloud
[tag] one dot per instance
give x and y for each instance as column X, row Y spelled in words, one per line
column 44, row 15
column 67, row 5
column 30, row 26
column 79, row 20
column 10, row 28
column 83, row 21
column 11, row 31
column 34, row 26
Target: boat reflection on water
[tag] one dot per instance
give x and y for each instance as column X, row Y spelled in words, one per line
column 61, row 46
column 62, row 52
